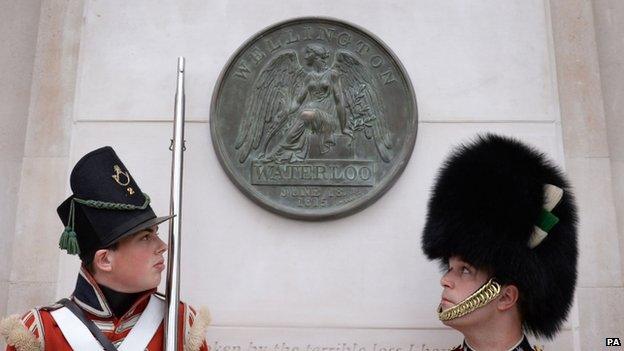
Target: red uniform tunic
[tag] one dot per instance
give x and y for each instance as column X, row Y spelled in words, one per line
column 44, row 329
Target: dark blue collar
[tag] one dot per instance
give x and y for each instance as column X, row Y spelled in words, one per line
column 88, row 295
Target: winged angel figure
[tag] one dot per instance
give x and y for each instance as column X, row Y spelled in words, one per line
column 290, row 103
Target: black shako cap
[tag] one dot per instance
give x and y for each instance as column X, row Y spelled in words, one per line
column 484, row 205
column 100, row 175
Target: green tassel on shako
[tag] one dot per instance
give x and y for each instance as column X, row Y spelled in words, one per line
column 64, row 238
column 69, row 242
column 69, row 239
column 72, row 247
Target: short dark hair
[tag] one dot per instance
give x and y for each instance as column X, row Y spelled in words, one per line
column 89, row 265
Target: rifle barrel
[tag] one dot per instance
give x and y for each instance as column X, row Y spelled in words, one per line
column 175, row 224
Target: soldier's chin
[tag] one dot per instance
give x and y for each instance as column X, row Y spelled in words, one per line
column 444, row 305
column 451, row 322
column 155, row 283
column 454, row 323
column 460, row 323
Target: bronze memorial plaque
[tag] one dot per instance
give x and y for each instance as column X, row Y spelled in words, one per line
column 313, row 118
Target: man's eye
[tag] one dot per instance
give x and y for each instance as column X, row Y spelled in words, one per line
column 465, row 270
column 145, row 237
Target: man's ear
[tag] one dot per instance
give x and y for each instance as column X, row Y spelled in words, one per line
column 508, row 297
column 103, row 260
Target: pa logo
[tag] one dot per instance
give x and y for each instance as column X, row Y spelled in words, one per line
column 613, row 342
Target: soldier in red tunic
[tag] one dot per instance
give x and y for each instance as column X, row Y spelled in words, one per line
column 109, row 223
column 502, row 222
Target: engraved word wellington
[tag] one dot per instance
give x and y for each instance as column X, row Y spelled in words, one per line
column 313, row 118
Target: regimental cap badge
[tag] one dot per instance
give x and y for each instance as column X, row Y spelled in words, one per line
column 122, row 178
column 123, row 181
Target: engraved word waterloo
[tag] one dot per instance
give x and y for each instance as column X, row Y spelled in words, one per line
column 312, row 115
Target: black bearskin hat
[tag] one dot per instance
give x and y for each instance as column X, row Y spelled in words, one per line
column 484, row 207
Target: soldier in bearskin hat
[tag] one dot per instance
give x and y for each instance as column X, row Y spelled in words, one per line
column 110, row 225
column 502, row 222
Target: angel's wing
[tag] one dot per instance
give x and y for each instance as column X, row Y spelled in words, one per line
column 365, row 108
column 270, row 98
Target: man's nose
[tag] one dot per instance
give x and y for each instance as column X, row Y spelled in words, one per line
column 162, row 247
column 446, row 282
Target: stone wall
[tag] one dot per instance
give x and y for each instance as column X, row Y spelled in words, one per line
column 44, row 164
column 104, row 74
column 19, row 21
column 589, row 163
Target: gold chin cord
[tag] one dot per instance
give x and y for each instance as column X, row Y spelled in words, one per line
column 488, row 292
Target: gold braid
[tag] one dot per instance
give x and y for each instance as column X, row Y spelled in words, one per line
column 488, row 292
